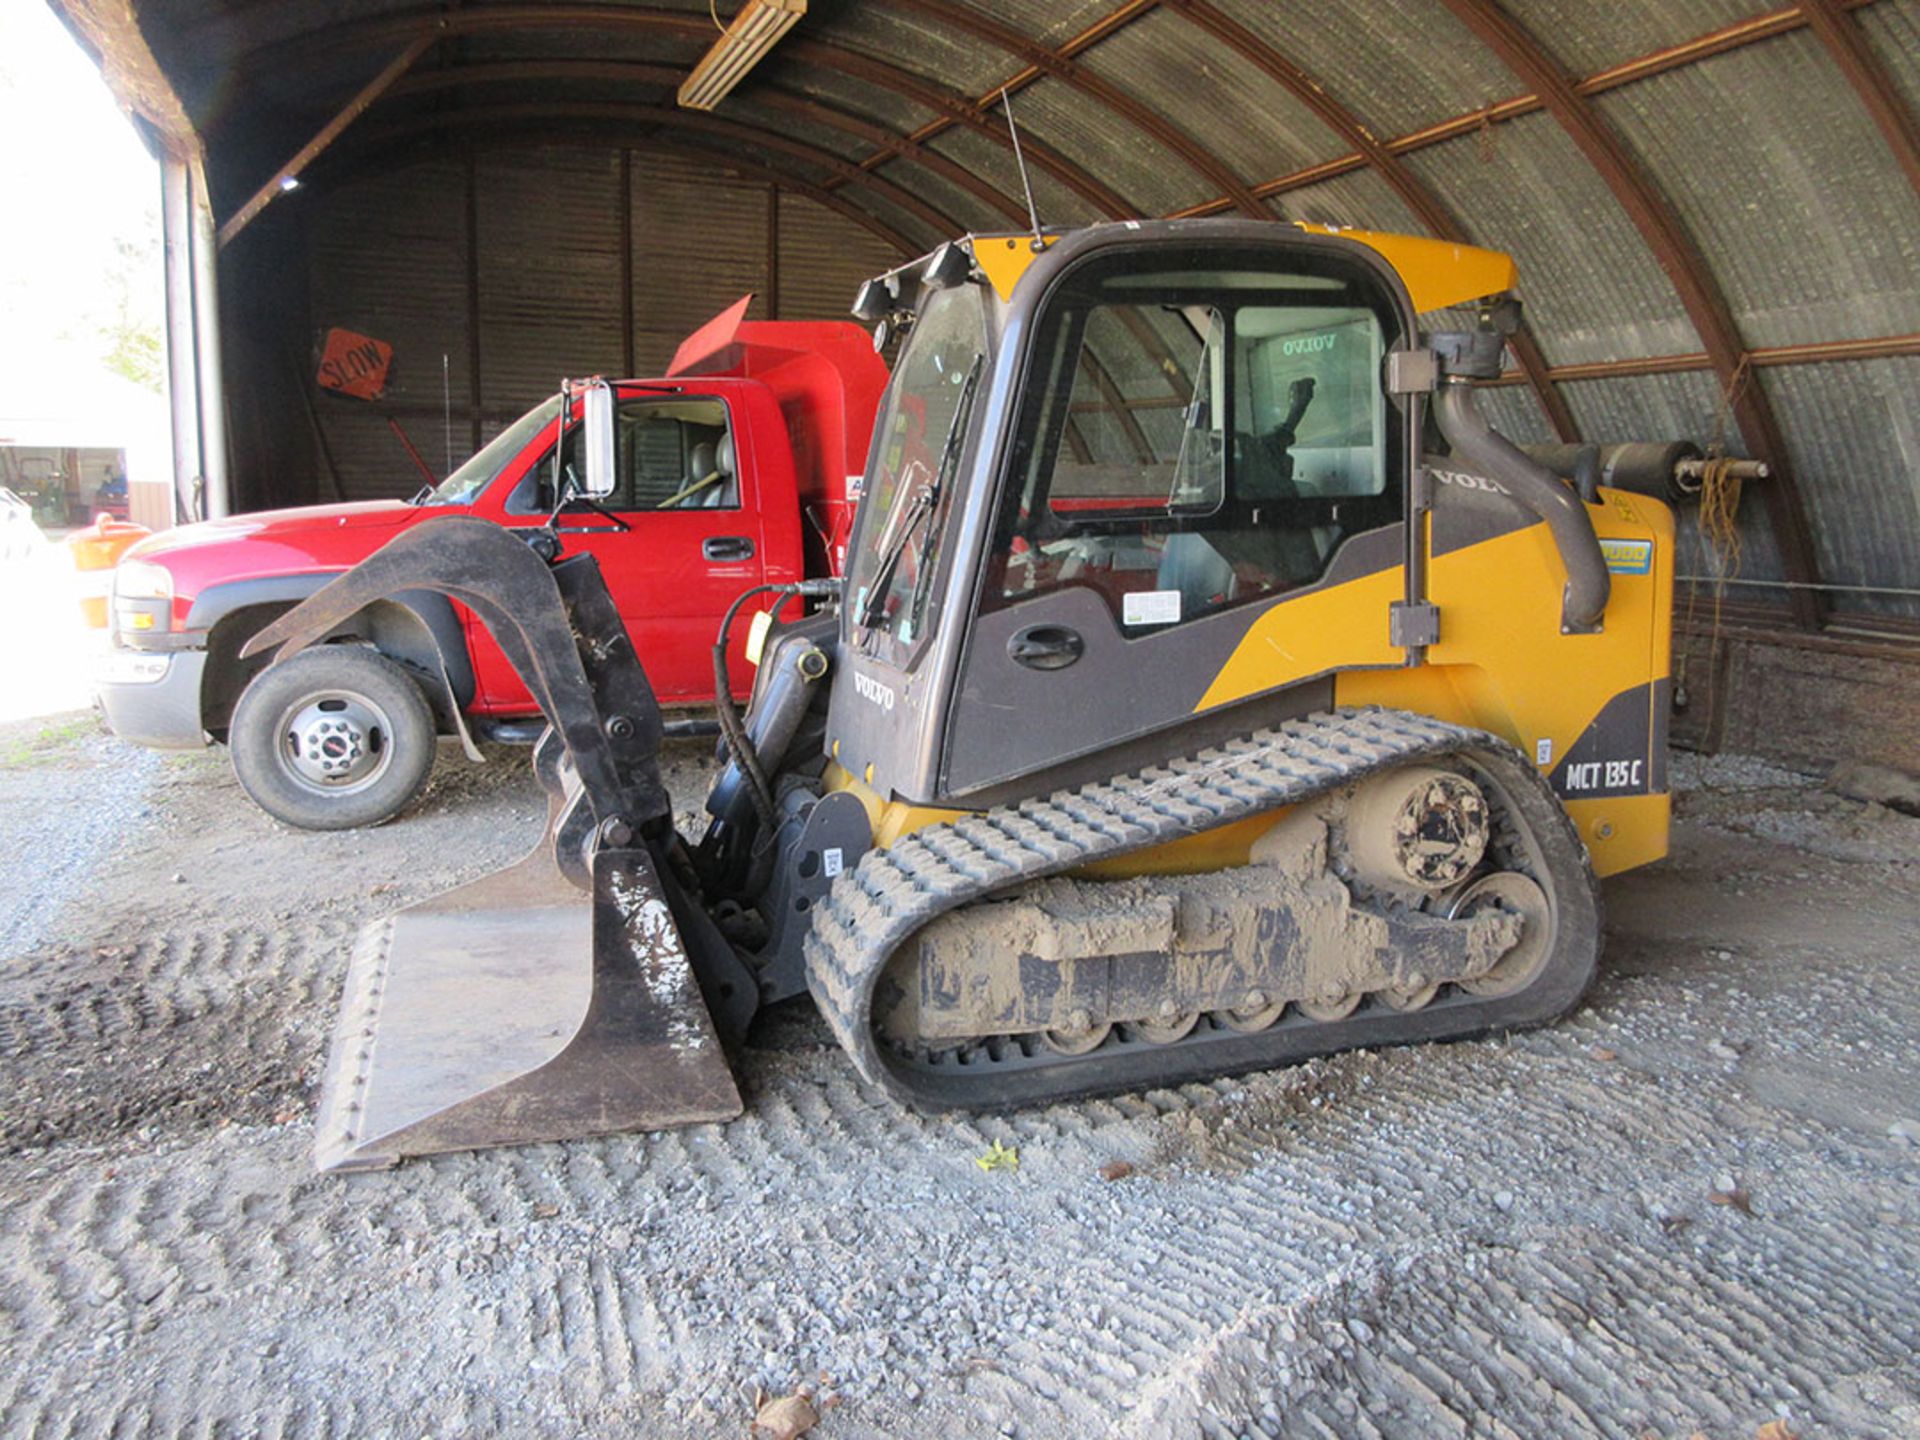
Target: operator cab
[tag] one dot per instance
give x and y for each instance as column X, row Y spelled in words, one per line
column 1089, row 483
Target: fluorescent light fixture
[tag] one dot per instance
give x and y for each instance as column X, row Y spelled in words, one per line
column 743, row 45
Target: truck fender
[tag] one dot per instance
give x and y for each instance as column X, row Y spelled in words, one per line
column 419, row 628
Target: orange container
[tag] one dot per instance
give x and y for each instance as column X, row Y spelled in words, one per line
column 95, row 551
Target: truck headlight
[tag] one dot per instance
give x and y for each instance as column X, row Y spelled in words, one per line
column 142, row 597
column 142, row 580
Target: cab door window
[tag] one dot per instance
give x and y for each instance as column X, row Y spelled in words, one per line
column 669, row 454
column 1196, row 440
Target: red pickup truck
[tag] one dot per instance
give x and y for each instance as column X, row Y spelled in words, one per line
column 738, row 467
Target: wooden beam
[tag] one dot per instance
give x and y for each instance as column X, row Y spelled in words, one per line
column 627, row 360
column 326, row 135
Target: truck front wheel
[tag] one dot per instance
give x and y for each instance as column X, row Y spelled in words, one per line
column 335, row 738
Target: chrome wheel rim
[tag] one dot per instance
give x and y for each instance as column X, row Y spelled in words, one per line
column 334, row 742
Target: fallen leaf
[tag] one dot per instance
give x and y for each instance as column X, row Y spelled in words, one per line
column 1774, row 1430
column 1601, row 1052
column 545, row 1211
column 786, row 1418
column 999, row 1157
column 1115, row 1170
column 1738, row 1199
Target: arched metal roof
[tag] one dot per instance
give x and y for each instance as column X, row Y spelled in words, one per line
column 1715, row 204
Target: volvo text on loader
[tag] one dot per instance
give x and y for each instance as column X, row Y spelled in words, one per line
column 1210, row 687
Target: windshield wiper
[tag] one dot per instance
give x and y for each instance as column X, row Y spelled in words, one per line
column 922, row 508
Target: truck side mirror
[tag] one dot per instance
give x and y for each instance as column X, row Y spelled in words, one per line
column 596, row 423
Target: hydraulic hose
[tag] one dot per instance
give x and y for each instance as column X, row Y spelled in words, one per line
column 732, row 728
column 1479, row 445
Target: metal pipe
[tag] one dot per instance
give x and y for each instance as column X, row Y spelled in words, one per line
column 183, row 391
column 206, row 346
column 1483, row 448
column 1902, row 590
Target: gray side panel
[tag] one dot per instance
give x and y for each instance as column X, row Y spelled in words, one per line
column 1617, row 753
column 1469, row 508
column 1009, row 721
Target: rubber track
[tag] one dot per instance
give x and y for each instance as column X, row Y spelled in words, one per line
column 884, row 901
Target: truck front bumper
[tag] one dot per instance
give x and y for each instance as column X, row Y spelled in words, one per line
column 152, row 698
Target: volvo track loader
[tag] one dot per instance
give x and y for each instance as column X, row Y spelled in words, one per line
column 1210, row 688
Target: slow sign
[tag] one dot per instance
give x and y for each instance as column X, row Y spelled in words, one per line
column 354, row 364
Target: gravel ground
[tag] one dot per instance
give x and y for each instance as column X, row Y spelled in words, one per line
column 1692, row 1207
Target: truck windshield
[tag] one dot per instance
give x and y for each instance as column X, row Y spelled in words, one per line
column 917, row 443
column 464, row 485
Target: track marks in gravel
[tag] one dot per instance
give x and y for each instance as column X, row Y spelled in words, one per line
column 1319, row 1251
column 193, row 1029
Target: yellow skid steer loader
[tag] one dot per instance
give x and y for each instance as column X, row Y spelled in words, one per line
column 1210, row 688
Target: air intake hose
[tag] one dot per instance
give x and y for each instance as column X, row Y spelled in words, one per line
column 1483, row 448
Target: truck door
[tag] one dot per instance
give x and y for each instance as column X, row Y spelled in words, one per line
column 677, row 541
column 1201, row 504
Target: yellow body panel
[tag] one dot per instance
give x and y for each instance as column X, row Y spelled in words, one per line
column 1217, row 849
column 891, row 820
column 1437, row 273
column 1003, row 259
column 1318, row 632
column 1501, row 665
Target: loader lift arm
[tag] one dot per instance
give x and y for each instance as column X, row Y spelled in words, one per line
column 474, row 1060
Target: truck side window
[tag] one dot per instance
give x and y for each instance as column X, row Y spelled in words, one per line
column 1196, row 440
column 671, row 454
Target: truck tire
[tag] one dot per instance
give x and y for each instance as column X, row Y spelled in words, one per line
column 336, row 738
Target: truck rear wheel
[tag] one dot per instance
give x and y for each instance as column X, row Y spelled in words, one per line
column 336, row 738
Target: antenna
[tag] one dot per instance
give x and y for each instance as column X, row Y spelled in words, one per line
column 446, row 403
column 1033, row 214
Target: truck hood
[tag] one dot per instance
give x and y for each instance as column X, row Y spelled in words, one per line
column 283, row 526
column 276, row 545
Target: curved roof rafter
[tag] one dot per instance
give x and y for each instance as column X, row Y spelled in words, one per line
column 1060, row 64
column 1412, row 191
column 1686, row 269
column 544, row 124
column 1840, row 33
column 670, row 117
column 378, row 31
column 770, row 96
column 516, row 71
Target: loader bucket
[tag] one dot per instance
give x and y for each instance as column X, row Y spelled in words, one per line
column 474, row 1019
column 556, row 999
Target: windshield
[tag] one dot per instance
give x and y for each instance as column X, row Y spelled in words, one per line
column 464, row 485
column 917, row 443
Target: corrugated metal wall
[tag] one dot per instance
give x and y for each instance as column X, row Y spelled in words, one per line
column 1789, row 208
column 392, row 256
